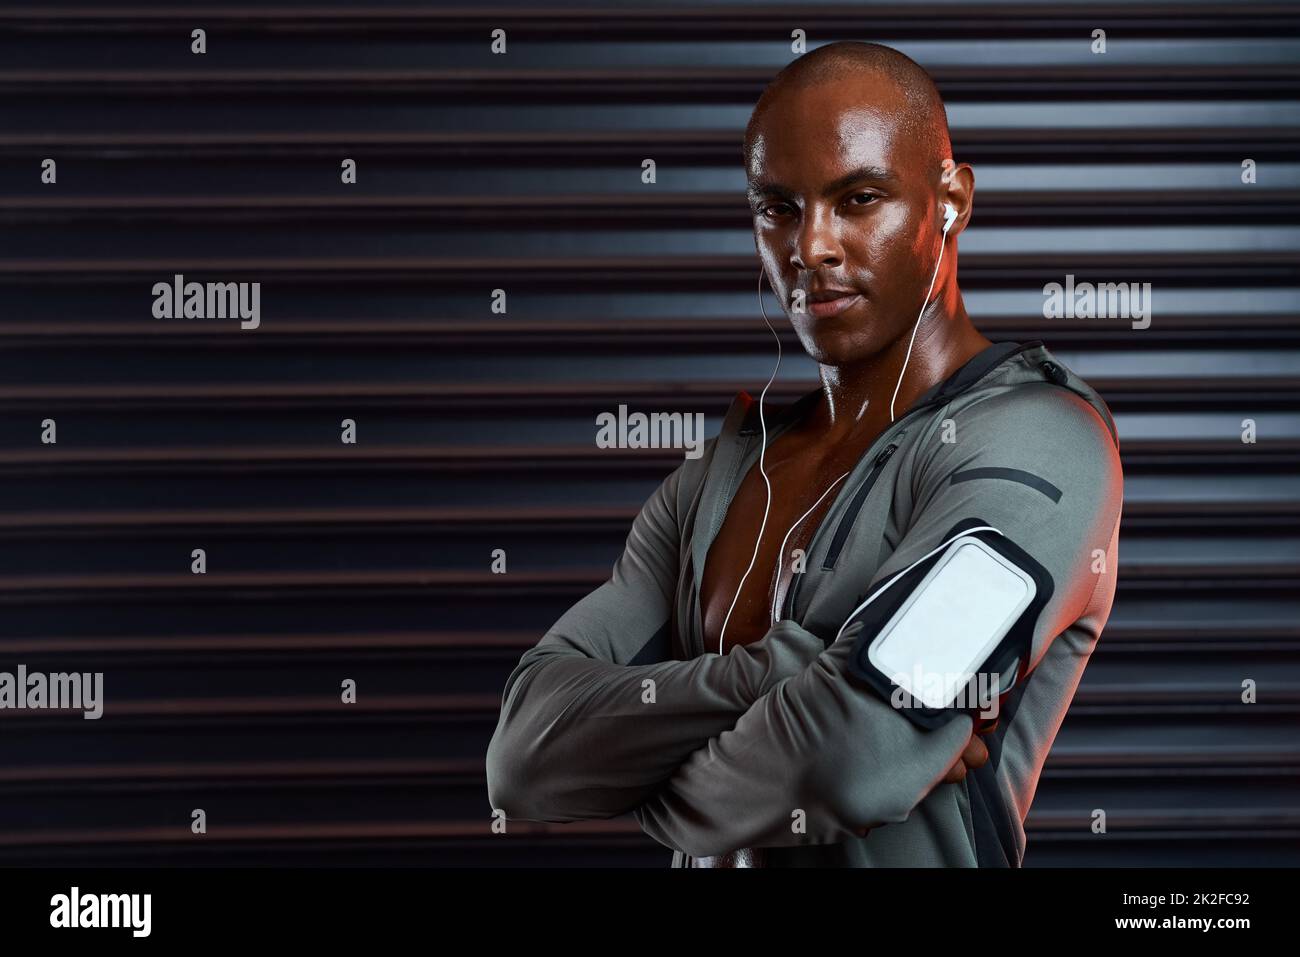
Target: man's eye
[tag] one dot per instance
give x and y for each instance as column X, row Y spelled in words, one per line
column 776, row 209
column 867, row 198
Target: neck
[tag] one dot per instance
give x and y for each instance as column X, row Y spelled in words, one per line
column 858, row 394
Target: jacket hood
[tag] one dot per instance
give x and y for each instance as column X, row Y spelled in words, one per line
column 998, row 366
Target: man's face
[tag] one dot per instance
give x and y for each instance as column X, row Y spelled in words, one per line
column 843, row 199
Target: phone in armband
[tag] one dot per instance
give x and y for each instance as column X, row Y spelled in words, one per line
column 954, row 631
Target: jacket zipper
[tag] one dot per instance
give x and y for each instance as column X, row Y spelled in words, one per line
column 846, row 523
column 837, row 543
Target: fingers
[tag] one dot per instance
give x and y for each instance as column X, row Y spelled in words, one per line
column 976, row 753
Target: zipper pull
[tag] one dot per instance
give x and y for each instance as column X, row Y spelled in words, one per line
column 883, row 457
column 1054, row 372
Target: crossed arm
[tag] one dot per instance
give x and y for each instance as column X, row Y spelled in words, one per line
column 585, row 731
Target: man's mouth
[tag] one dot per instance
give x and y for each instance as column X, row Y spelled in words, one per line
column 832, row 302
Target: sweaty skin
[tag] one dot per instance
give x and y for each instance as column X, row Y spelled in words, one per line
column 843, row 196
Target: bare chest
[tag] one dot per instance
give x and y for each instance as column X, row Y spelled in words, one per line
column 742, row 586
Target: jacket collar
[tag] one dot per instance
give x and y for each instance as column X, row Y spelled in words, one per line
column 967, row 375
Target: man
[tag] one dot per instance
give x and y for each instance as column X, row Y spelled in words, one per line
column 720, row 685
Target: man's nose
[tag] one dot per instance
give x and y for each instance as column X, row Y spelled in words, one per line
column 817, row 244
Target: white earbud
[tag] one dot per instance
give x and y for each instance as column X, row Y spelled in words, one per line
column 949, row 217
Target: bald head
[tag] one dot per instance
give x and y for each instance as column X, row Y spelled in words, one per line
column 866, row 66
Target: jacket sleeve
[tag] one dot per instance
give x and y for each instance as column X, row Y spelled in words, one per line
column 822, row 756
column 594, row 717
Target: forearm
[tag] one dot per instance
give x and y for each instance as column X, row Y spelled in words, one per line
column 582, row 738
column 813, row 762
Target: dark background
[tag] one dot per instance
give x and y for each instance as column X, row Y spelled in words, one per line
column 522, row 172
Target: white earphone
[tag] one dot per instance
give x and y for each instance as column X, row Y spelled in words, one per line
column 949, row 217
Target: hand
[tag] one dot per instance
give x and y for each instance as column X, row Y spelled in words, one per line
column 975, row 756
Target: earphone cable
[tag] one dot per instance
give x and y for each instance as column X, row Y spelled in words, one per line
column 761, row 462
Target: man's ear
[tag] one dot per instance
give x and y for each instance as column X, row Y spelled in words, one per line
column 958, row 181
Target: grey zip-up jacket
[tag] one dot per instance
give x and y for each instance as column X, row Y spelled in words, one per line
column 775, row 745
